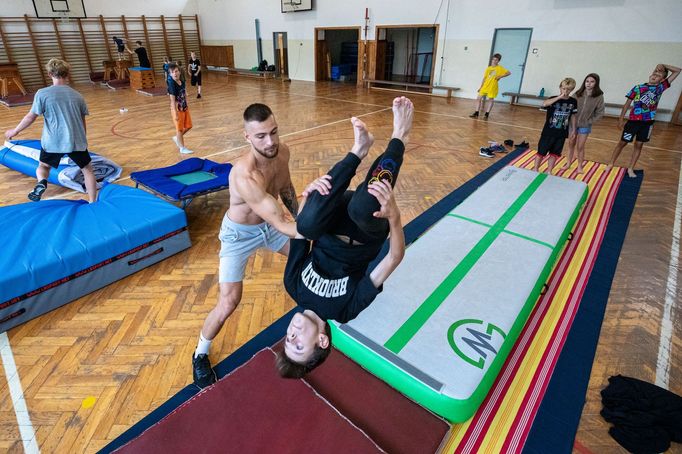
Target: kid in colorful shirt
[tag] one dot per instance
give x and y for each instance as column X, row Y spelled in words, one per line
column 644, row 100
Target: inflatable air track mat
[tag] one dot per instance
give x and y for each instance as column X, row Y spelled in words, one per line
column 23, row 155
column 55, row 251
column 451, row 312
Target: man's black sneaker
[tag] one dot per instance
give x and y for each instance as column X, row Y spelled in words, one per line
column 37, row 192
column 199, row 96
column 203, row 373
column 474, row 115
column 486, row 153
column 486, row 115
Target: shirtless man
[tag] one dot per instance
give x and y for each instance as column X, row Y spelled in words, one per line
column 254, row 220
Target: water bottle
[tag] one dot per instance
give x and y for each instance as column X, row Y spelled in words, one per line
column 542, row 92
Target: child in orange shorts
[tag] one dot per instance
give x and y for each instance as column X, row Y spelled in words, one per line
column 179, row 108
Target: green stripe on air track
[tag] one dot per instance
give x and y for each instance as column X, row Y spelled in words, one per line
column 413, row 324
column 464, row 218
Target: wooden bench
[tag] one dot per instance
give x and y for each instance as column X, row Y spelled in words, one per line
column 371, row 84
column 251, row 73
column 516, row 96
column 612, row 105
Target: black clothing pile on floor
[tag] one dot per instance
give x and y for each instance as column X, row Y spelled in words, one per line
column 645, row 417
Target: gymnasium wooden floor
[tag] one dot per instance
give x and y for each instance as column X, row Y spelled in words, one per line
column 91, row 369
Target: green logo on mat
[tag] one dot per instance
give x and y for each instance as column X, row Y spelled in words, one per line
column 476, row 341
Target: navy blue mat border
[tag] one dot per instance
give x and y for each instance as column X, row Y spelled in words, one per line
column 273, row 333
column 556, row 422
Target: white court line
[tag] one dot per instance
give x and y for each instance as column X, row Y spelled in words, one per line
column 28, row 435
column 460, row 117
column 665, row 344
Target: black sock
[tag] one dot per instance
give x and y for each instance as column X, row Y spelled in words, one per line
column 43, row 182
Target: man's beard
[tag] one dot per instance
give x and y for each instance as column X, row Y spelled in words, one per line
column 268, row 153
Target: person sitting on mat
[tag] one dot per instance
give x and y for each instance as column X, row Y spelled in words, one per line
column 64, row 131
column 330, row 279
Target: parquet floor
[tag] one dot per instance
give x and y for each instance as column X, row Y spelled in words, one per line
column 127, row 347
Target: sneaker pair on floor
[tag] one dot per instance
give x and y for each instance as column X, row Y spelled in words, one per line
column 475, row 115
column 202, row 371
column 183, row 150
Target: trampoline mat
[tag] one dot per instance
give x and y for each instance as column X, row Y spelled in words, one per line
column 254, row 410
column 199, row 176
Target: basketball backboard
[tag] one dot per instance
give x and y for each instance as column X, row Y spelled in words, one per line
column 61, row 9
column 292, row 6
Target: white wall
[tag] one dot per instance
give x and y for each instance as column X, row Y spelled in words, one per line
column 619, row 39
column 110, row 7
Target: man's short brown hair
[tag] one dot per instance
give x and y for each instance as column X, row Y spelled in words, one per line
column 58, row 68
column 290, row 369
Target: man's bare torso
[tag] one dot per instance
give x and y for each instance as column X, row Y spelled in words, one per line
column 275, row 175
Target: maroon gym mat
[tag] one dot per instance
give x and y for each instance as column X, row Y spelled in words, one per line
column 254, row 410
column 394, row 422
column 17, row 100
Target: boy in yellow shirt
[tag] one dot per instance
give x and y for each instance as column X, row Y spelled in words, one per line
column 489, row 85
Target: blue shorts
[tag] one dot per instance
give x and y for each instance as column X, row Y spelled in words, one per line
column 585, row 130
column 238, row 242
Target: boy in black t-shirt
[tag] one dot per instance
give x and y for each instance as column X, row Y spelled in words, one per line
column 194, row 66
column 329, row 277
column 559, row 124
column 142, row 55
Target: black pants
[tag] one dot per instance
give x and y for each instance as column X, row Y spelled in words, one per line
column 351, row 213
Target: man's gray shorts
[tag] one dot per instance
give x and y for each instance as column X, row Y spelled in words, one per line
column 239, row 241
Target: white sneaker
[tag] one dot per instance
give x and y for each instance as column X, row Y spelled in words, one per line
column 175, row 141
column 185, row 150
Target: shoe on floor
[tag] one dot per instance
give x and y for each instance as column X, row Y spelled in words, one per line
column 474, row 115
column 486, row 115
column 199, row 96
column 185, row 150
column 202, row 372
column 486, row 153
column 37, row 192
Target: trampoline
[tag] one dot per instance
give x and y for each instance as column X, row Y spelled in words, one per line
column 449, row 315
column 184, row 181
